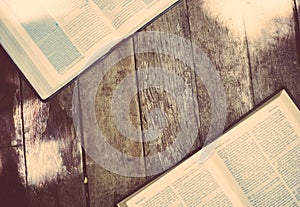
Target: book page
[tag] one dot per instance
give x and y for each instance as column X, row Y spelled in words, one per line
column 263, row 158
column 119, row 11
column 254, row 164
column 127, row 16
column 192, row 183
column 62, row 35
column 141, row 13
column 59, row 39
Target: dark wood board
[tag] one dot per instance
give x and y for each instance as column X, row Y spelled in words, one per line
column 297, row 4
column 13, row 190
column 12, row 162
column 272, row 48
column 217, row 28
column 10, row 103
column 53, row 151
column 296, row 10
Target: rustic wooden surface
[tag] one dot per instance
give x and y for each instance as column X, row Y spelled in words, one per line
column 12, row 162
column 254, row 46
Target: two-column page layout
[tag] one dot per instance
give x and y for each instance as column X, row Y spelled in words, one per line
column 53, row 41
column 256, row 163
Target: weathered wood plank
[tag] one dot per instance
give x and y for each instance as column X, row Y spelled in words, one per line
column 297, row 4
column 53, row 151
column 109, row 178
column 272, row 47
column 10, row 104
column 217, row 28
column 12, row 162
column 297, row 26
column 163, row 60
column 12, row 177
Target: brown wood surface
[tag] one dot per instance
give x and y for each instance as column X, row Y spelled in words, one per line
column 254, row 46
column 215, row 29
column 10, row 104
column 41, row 161
column 154, row 98
column 297, row 4
column 272, row 49
column 53, row 151
column 12, row 162
column 297, row 26
column 113, row 186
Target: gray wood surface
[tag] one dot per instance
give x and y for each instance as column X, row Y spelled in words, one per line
column 159, row 96
column 252, row 45
column 113, row 185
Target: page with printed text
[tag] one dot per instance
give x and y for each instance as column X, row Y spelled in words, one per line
column 256, row 163
column 53, row 41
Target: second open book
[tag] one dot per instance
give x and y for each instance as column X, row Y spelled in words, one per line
column 256, row 163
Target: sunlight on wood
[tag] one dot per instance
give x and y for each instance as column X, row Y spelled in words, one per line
column 259, row 14
column 44, row 163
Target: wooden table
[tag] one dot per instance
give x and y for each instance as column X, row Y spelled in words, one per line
column 254, row 46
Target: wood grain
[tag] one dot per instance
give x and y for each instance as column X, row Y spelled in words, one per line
column 109, row 186
column 10, row 105
column 217, row 28
column 296, row 10
column 272, row 48
column 173, row 22
column 297, row 4
column 12, row 162
column 53, row 151
column 254, row 46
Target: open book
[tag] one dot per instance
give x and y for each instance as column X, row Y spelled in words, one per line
column 53, row 41
column 256, row 163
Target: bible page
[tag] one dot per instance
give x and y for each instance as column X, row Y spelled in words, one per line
column 256, row 163
column 263, row 155
column 192, row 183
column 53, row 41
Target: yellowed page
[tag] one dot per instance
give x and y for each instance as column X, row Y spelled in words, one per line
column 53, row 41
column 127, row 16
column 250, row 166
column 192, row 183
column 262, row 155
column 62, row 35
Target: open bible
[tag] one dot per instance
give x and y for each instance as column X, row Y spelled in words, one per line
column 256, row 163
column 53, row 41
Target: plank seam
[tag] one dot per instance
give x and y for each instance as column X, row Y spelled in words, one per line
column 139, row 98
column 297, row 28
column 83, row 154
column 248, row 54
column 195, row 78
column 23, row 132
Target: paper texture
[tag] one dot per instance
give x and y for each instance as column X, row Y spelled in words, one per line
column 53, row 41
column 254, row 164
